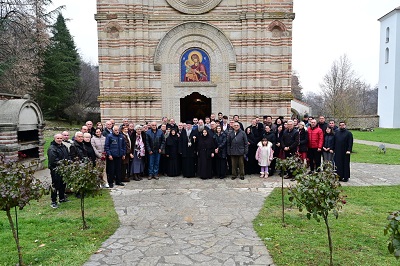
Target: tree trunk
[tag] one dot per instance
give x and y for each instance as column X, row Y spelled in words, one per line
column 329, row 239
column 10, row 220
column 84, row 226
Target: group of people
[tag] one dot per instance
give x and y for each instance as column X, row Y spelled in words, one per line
column 213, row 147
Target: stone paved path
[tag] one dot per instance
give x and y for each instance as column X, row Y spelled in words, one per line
column 180, row 221
column 376, row 144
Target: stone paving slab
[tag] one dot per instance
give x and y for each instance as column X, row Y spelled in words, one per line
column 179, row 221
column 188, row 221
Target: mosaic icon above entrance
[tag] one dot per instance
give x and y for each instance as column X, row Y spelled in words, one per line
column 195, row 66
column 194, row 6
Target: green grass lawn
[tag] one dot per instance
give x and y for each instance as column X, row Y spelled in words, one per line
column 370, row 154
column 386, row 135
column 54, row 236
column 357, row 234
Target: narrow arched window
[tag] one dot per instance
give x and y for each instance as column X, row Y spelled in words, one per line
column 387, row 34
column 387, row 55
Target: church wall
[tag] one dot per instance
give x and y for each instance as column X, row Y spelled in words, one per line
column 133, row 86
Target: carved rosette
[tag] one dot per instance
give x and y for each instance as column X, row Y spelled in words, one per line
column 194, row 6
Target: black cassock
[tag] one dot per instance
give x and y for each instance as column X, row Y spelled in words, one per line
column 251, row 165
column 343, row 143
column 187, row 149
column 205, row 148
column 171, row 151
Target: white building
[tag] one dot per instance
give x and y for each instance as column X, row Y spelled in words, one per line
column 389, row 70
column 299, row 108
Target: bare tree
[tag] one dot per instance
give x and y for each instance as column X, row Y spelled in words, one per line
column 339, row 89
column 316, row 101
column 24, row 37
column 367, row 99
column 86, row 93
column 88, row 89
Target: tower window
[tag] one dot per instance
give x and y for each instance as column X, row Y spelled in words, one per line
column 387, row 55
column 387, row 34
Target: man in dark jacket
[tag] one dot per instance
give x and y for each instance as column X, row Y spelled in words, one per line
column 56, row 153
column 290, row 139
column 155, row 143
column 115, row 148
column 237, row 147
column 108, row 129
column 77, row 150
column 322, row 124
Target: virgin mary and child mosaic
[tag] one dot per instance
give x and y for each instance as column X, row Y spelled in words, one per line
column 195, row 66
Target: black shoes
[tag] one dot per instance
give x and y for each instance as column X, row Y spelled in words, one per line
column 242, row 178
column 64, row 200
column 120, row 184
column 233, row 177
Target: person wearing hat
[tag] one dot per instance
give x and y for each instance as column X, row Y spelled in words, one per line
column 188, row 149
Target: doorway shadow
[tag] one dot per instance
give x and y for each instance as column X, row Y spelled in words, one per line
column 195, row 105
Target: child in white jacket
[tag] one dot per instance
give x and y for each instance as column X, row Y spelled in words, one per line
column 264, row 156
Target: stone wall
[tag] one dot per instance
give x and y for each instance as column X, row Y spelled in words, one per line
column 363, row 122
column 359, row 121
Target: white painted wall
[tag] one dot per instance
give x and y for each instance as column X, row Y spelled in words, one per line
column 301, row 107
column 389, row 73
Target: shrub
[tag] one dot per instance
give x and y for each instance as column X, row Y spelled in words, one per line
column 83, row 178
column 393, row 229
column 18, row 187
column 319, row 193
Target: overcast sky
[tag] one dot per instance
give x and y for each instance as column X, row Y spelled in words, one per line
column 323, row 30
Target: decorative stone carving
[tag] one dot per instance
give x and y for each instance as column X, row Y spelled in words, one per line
column 277, row 24
column 195, row 31
column 113, row 29
column 194, row 6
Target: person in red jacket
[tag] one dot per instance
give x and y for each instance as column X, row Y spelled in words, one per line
column 315, row 143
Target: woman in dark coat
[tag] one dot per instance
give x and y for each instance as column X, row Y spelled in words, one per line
column 172, row 154
column 278, row 152
column 303, row 137
column 251, row 164
column 328, row 148
column 206, row 151
column 220, row 152
column 89, row 148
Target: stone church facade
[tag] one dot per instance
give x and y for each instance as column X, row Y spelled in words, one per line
column 147, row 68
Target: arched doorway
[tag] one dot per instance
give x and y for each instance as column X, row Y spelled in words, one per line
column 195, row 105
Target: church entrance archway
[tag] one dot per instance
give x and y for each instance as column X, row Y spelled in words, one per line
column 195, row 105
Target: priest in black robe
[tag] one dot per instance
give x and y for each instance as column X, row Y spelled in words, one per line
column 343, row 149
column 187, row 149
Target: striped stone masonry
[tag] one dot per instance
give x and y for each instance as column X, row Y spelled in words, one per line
column 141, row 43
